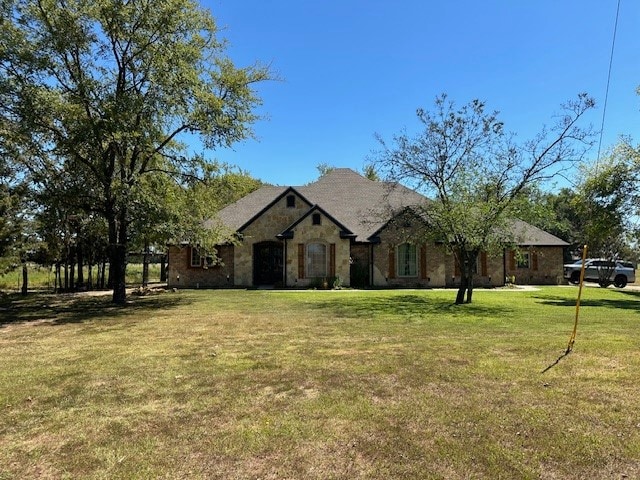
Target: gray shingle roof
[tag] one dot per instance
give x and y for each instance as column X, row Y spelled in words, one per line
column 527, row 234
column 361, row 205
column 237, row 214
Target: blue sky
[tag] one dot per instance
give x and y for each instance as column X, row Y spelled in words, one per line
column 352, row 68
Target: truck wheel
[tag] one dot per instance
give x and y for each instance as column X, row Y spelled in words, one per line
column 620, row 281
column 575, row 278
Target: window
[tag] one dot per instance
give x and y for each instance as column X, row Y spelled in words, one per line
column 196, row 258
column 315, row 219
column 523, row 260
column 407, row 260
column 291, row 201
column 316, row 260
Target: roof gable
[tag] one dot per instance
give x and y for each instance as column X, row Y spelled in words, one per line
column 239, row 215
column 344, row 231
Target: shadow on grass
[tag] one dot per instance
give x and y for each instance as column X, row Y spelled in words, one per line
column 561, row 357
column 410, row 305
column 629, row 300
column 62, row 309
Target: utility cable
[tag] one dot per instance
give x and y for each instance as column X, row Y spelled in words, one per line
column 606, row 95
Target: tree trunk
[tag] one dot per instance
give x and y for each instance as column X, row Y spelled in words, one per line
column 145, row 264
column 72, row 275
column 163, row 268
column 466, row 262
column 103, row 273
column 66, row 274
column 462, row 289
column 89, row 276
column 80, row 257
column 58, row 279
column 118, row 255
column 469, row 288
column 460, row 257
column 25, row 279
column 110, row 272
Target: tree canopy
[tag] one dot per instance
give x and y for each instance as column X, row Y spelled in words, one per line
column 106, row 92
column 474, row 172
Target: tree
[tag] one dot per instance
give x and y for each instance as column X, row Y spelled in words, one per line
column 474, row 173
column 558, row 213
column 107, row 89
column 607, row 200
column 369, row 171
column 165, row 211
column 324, row 168
column 16, row 225
column 9, row 208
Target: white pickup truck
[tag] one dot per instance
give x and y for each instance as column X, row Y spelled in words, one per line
column 604, row 272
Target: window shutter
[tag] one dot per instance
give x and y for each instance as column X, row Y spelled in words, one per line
column 534, row 260
column 423, row 261
column 392, row 262
column 332, row 260
column 483, row 264
column 512, row 260
column 301, row 260
column 456, row 267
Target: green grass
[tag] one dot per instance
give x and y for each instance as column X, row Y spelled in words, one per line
column 321, row 384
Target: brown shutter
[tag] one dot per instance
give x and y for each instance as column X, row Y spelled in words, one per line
column 392, row 262
column 423, row 262
column 456, row 266
column 301, row 260
column 534, row 260
column 483, row 264
column 512, row 260
column 332, row 260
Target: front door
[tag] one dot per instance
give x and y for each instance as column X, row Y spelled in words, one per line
column 267, row 263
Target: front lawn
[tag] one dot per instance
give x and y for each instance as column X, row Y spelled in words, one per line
column 234, row 384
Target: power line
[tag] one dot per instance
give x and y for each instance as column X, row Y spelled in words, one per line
column 606, row 95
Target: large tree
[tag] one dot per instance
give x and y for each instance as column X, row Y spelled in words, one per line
column 608, row 201
column 108, row 90
column 474, row 172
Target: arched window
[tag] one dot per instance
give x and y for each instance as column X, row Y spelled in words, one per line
column 407, row 260
column 316, row 260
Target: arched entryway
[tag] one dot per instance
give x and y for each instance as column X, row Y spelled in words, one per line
column 268, row 263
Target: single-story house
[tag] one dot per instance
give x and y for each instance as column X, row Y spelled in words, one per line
column 339, row 230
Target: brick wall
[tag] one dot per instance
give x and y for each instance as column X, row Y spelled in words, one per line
column 544, row 268
column 181, row 274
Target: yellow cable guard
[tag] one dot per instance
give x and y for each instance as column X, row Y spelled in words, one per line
column 575, row 325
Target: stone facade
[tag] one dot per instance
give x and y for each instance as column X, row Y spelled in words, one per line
column 275, row 219
column 337, row 250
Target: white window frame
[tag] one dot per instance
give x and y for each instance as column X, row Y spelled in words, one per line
column 403, row 263
column 310, row 265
